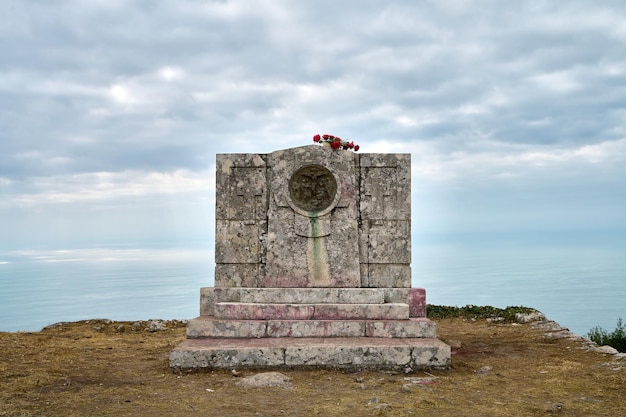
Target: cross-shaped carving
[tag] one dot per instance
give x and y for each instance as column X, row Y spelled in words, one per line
column 377, row 191
column 249, row 191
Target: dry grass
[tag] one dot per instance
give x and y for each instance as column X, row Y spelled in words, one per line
column 94, row 368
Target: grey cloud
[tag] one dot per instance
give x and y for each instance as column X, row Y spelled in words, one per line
column 84, row 86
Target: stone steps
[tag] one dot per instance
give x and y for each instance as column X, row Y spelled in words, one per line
column 209, row 327
column 350, row 353
column 268, row 311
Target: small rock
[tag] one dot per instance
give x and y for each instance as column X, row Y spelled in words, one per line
column 555, row 408
column 155, row 326
column 494, row 319
column 606, row 349
column 373, row 400
column 120, row 328
column 406, row 389
column 549, row 326
column 560, row 334
column 98, row 328
column 527, row 318
column 485, row 370
column 266, row 379
column 420, row 380
column 383, row 406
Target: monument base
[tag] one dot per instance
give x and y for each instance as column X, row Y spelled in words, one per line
column 348, row 353
column 346, row 328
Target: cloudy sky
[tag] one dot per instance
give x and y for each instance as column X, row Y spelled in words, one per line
column 111, row 111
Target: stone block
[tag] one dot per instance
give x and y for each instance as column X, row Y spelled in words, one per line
column 316, row 328
column 236, row 275
column 416, row 328
column 349, row 355
column 226, row 354
column 416, row 299
column 389, row 242
column 395, row 311
column 237, row 242
column 361, row 296
column 218, row 328
column 430, row 353
column 207, row 301
column 389, row 275
column 385, row 186
column 241, row 185
column 257, row 311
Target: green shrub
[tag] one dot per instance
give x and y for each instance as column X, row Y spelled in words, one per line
column 475, row 312
column 616, row 339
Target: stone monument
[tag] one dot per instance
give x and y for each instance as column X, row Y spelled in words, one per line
column 313, row 254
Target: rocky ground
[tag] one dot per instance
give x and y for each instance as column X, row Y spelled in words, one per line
column 499, row 368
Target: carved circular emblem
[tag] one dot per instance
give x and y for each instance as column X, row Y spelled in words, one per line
column 312, row 188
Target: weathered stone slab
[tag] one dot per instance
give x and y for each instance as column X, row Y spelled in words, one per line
column 416, row 299
column 258, row 311
column 206, row 326
column 417, row 328
column 353, row 353
column 237, row 242
column 316, row 328
column 385, row 186
column 395, row 311
column 351, row 356
column 236, row 275
column 207, row 301
column 266, row 379
column 241, row 184
column 261, row 311
column 224, row 353
column 209, row 327
column 388, row 241
column 302, row 295
column 430, row 354
column 389, row 275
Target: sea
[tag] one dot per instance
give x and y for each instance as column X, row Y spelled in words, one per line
column 578, row 280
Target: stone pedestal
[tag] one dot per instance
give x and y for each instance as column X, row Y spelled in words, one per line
column 312, row 253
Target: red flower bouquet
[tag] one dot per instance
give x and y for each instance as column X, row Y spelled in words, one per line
column 335, row 142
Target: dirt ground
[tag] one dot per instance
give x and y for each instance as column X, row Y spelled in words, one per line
column 101, row 368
